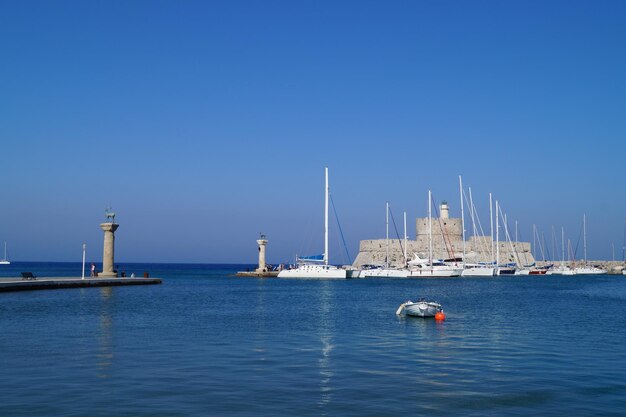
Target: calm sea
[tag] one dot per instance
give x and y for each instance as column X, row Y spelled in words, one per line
column 205, row 343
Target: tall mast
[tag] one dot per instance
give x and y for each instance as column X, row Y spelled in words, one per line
column 472, row 212
column 405, row 239
column 554, row 256
column 497, row 236
column 491, row 227
column 326, row 220
column 387, row 236
column 430, row 233
column 562, row 246
column 585, row 236
column 534, row 251
column 462, row 218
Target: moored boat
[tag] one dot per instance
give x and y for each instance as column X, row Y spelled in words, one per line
column 590, row 270
column 420, row 308
column 478, row 270
column 317, row 266
column 419, row 267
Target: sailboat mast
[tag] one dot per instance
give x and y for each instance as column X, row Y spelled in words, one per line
column 405, row 260
column 491, row 227
column 534, row 251
column 497, row 236
column 387, row 235
column 462, row 218
column 472, row 212
column 430, row 233
column 562, row 246
column 585, row 236
column 326, row 219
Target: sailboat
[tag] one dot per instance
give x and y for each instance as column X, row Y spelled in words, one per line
column 5, row 260
column 431, row 267
column 316, row 266
column 561, row 269
column 586, row 269
column 472, row 269
column 384, row 270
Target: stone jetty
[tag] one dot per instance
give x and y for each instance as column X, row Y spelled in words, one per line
column 53, row 283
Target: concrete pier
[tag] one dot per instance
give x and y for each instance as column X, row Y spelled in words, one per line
column 53, row 283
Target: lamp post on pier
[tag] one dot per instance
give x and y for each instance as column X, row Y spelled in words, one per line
column 84, row 249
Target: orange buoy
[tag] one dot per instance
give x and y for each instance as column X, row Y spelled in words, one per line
column 440, row 316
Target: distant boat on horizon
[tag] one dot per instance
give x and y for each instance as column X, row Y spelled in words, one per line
column 5, row 260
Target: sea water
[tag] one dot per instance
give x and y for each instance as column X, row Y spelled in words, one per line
column 205, row 343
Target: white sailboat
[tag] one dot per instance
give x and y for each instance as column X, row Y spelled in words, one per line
column 472, row 269
column 315, row 267
column 587, row 269
column 419, row 267
column 561, row 269
column 5, row 260
column 385, row 271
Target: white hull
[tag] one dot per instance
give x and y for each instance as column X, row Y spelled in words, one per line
column 589, row 271
column 522, row 272
column 478, row 272
column 505, row 271
column 383, row 273
column 3, row 262
column 422, row 309
column 436, row 271
column 561, row 271
column 314, row 271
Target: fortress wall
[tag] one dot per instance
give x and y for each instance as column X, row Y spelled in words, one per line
column 477, row 249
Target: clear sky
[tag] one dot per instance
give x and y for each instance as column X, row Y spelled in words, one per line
column 203, row 123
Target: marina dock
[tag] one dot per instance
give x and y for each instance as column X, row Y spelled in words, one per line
column 53, row 283
column 254, row 274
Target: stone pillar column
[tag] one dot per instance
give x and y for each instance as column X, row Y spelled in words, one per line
column 262, row 243
column 109, row 250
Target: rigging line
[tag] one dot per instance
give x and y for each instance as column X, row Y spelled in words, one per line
column 345, row 246
column 397, row 234
column 580, row 233
column 483, row 243
column 516, row 257
column 474, row 217
column 444, row 232
column 521, row 239
column 543, row 237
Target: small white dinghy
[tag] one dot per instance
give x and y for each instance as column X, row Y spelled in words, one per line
column 421, row 308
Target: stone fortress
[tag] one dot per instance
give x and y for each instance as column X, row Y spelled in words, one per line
column 447, row 238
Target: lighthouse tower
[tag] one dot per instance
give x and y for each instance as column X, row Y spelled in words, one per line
column 444, row 212
column 262, row 242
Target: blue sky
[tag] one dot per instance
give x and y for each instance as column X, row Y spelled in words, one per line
column 204, row 123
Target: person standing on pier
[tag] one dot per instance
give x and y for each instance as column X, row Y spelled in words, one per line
column 93, row 270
